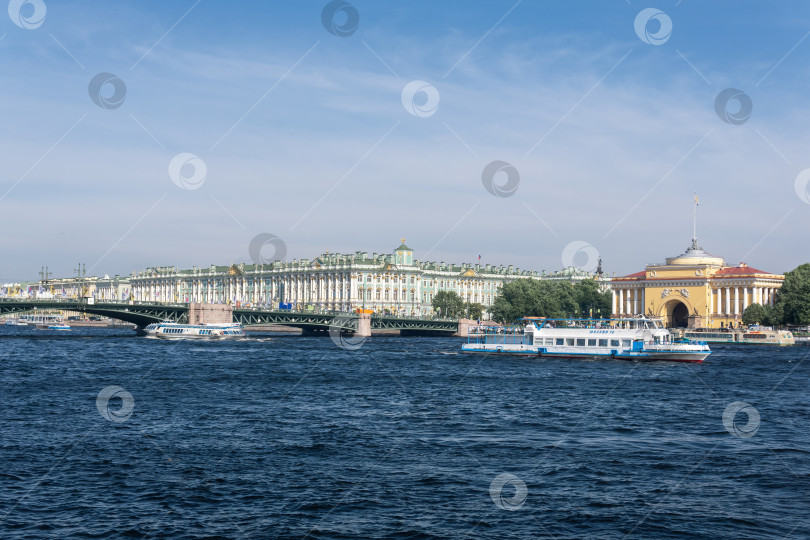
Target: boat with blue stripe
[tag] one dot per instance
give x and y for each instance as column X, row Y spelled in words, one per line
column 639, row 338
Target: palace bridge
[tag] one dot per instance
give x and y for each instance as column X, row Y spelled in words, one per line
column 142, row 314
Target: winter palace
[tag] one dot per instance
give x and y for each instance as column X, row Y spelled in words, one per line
column 394, row 283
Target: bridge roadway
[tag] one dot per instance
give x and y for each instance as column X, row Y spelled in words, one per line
column 142, row 314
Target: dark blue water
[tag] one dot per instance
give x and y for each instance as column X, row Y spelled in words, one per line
column 402, row 438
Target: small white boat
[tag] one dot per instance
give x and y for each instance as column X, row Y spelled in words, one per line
column 61, row 327
column 214, row 331
column 640, row 338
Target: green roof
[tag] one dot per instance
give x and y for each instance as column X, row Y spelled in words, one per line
column 403, row 247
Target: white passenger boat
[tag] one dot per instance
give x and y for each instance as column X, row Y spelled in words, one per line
column 627, row 339
column 171, row 330
column 150, row 329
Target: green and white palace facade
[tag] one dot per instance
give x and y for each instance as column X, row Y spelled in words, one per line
column 395, row 283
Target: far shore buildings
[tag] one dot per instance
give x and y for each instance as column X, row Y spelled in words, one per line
column 394, row 283
column 694, row 289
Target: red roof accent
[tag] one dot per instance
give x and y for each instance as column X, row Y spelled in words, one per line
column 637, row 274
column 738, row 270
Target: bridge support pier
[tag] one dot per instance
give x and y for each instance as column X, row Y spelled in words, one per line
column 209, row 313
column 364, row 325
column 464, row 327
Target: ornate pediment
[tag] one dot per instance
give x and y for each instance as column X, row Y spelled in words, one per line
column 234, row 270
column 469, row 273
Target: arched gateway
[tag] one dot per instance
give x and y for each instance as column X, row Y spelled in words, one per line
column 677, row 314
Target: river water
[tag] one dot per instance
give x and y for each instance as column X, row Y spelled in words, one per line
column 108, row 435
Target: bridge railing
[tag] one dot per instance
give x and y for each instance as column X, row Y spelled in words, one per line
column 314, row 311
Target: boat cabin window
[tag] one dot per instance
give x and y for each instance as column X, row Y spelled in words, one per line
column 560, row 341
column 591, row 343
column 569, row 342
column 614, row 342
column 626, row 342
column 603, row 343
column 580, row 342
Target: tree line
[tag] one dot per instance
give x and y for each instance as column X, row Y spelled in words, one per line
column 533, row 298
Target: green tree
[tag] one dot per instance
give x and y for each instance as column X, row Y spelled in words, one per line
column 591, row 300
column 449, row 302
column 792, row 304
column 755, row 313
column 473, row 310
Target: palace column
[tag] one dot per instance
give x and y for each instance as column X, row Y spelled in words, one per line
column 636, row 299
column 745, row 298
column 736, row 300
column 643, row 300
column 772, row 295
column 728, row 301
column 711, row 302
column 620, row 307
column 613, row 301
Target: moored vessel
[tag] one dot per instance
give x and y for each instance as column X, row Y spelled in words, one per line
column 638, row 338
column 753, row 335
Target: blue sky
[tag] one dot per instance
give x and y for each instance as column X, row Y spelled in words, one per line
column 304, row 134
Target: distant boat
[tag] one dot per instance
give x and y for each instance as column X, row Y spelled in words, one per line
column 171, row 330
column 59, row 327
column 755, row 335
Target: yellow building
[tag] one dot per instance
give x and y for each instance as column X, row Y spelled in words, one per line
column 694, row 290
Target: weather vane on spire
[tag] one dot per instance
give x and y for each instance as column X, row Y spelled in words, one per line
column 694, row 224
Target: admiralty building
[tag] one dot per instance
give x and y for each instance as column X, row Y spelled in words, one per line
column 394, row 283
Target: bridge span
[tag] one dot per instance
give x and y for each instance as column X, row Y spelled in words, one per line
column 142, row 314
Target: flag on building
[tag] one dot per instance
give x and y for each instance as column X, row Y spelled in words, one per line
column 479, row 257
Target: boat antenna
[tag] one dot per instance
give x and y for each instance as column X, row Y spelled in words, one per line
column 694, row 224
